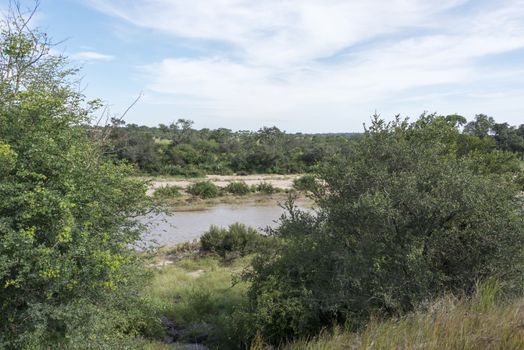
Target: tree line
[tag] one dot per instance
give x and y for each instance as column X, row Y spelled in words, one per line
column 180, row 149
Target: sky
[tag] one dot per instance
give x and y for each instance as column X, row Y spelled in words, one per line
column 301, row 65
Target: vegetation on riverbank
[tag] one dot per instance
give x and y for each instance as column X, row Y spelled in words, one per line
column 418, row 225
column 198, row 296
column 179, row 149
column 201, row 194
column 69, row 277
column 198, row 290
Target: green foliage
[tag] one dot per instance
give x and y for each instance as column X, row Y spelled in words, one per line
column 402, row 218
column 236, row 240
column 307, row 183
column 239, row 188
column 266, row 188
column 167, row 192
column 7, row 159
column 175, row 170
column 178, row 149
column 199, row 296
column 66, row 215
column 204, row 189
column 519, row 180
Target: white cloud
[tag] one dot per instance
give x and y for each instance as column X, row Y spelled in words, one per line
column 89, row 56
column 278, row 31
column 296, row 58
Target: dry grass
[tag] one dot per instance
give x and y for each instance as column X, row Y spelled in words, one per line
column 450, row 323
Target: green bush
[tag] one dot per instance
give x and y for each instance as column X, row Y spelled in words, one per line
column 236, row 240
column 183, row 170
column 520, row 180
column 68, row 213
column 266, row 188
column 204, row 189
column 239, row 188
column 306, row 183
column 167, row 192
column 402, row 219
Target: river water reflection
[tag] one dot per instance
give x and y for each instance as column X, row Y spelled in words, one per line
column 177, row 227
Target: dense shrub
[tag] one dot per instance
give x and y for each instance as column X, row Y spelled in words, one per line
column 238, row 188
column 266, row 188
column 520, row 180
column 167, row 192
column 182, row 170
column 204, row 189
column 67, row 214
column 402, row 218
column 307, row 183
column 236, row 240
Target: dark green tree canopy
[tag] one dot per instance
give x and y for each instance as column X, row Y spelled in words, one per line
column 412, row 211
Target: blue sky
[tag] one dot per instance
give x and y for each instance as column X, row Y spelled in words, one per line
column 302, row 65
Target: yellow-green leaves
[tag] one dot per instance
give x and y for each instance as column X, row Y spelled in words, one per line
column 7, row 159
column 65, row 210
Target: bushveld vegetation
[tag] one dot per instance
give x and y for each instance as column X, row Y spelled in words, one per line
column 237, row 240
column 238, row 188
column 415, row 241
column 306, row 183
column 204, row 189
column 482, row 321
column 414, row 211
column 208, row 190
column 206, row 301
column 167, row 192
column 179, row 149
column 68, row 278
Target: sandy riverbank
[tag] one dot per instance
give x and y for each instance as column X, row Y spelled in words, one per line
column 283, row 182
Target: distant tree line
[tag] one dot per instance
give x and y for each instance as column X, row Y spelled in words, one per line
column 180, row 149
column 504, row 136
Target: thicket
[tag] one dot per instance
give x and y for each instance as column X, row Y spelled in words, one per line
column 68, row 278
column 238, row 188
column 204, row 189
column 235, row 241
column 179, row 149
column 413, row 211
column 167, row 192
column 486, row 320
column 266, row 188
column 305, row 183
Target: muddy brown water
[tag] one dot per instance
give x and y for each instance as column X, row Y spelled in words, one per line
column 178, row 227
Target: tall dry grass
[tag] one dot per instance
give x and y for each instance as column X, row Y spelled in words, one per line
column 480, row 322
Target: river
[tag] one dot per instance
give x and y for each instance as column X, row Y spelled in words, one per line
column 183, row 226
